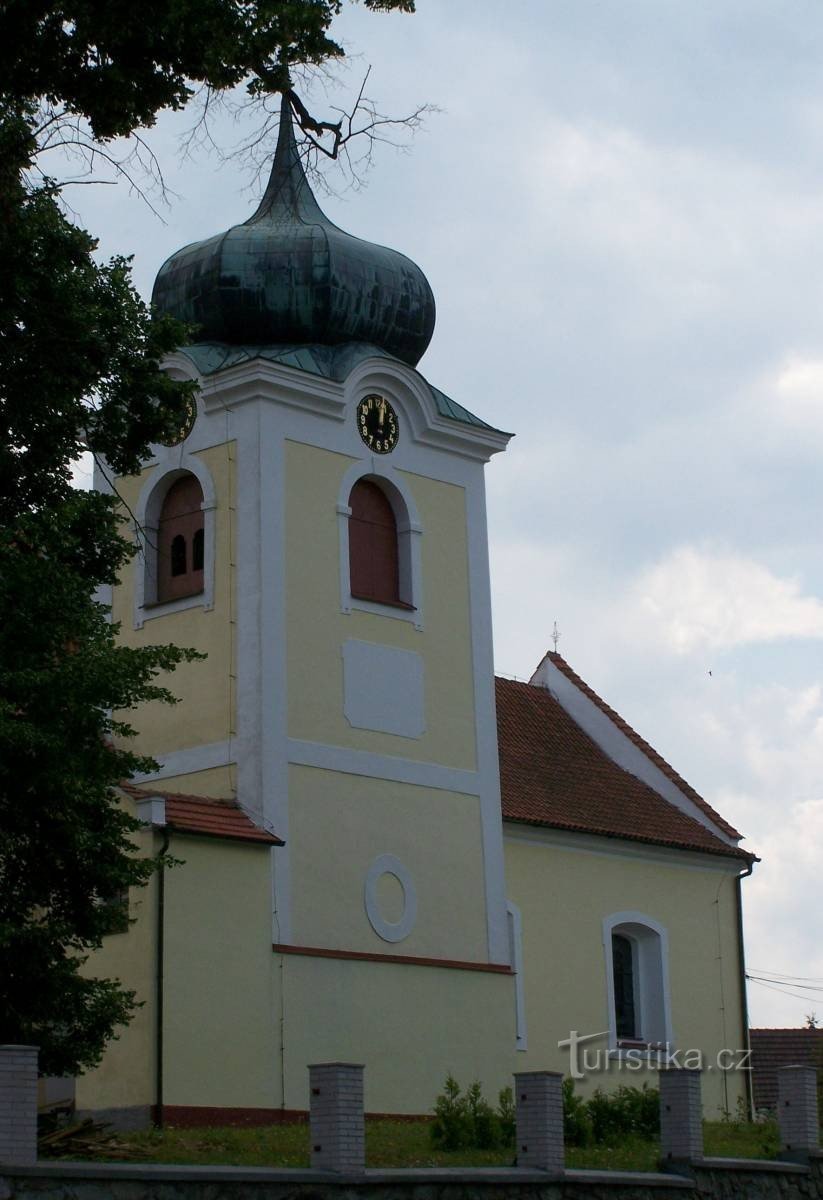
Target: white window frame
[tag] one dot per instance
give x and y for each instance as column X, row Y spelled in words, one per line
column 650, row 962
column 409, row 533
column 147, row 529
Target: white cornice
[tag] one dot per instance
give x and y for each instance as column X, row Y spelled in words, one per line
column 274, row 382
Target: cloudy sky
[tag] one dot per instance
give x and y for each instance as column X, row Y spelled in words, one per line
column 620, row 210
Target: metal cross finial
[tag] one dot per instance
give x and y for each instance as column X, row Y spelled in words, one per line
column 555, row 636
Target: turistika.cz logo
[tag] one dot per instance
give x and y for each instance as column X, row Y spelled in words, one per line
column 587, row 1057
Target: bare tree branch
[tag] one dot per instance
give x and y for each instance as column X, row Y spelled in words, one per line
column 348, row 142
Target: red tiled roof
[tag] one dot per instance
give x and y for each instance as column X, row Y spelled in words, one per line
column 773, row 1048
column 554, row 774
column 205, row 816
column 642, row 744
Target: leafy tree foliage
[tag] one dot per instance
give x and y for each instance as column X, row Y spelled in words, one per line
column 79, row 361
column 80, row 368
column 118, row 64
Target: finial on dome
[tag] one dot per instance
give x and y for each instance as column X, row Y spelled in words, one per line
column 288, row 188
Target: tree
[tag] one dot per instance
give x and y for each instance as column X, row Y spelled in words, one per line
column 80, row 362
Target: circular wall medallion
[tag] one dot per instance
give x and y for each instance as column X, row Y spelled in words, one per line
column 390, row 931
column 377, row 423
column 185, row 427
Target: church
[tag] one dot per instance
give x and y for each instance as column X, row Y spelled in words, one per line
column 381, row 853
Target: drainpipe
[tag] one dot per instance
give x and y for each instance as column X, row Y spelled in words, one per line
column 161, row 906
column 744, row 1004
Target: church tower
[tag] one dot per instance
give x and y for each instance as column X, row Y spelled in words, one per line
column 319, row 532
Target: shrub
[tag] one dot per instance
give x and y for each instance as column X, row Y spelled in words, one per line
column 505, row 1114
column 629, row 1111
column 468, row 1121
column 450, row 1128
column 577, row 1124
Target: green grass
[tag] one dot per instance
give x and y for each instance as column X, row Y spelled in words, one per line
column 739, row 1139
column 407, row 1144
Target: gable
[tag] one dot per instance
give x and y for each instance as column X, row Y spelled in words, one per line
column 553, row 774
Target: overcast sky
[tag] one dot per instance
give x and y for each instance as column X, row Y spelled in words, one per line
column 620, row 211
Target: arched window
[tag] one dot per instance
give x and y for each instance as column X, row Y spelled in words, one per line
column 180, row 541
column 373, row 555
column 637, row 980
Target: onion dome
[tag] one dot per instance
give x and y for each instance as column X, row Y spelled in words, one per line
column 289, row 276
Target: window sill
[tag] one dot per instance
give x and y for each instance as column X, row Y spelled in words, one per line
column 634, row 1050
column 162, row 608
column 384, row 603
column 173, row 599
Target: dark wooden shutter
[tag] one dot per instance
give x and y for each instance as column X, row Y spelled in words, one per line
column 372, row 545
column 180, row 529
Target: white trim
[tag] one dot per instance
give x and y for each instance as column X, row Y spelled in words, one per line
column 515, row 929
column 188, row 761
column 390, row 931
column 262, row 379
column 151, row 811
column 270, row 667
column 652, row 994
column 409, row 531
column 383, row 766
column 617, row 745
column 485, row 716
column 592, row 843
column 428, row 427
column 172, row 464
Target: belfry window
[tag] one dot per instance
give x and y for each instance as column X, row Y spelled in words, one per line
column 373, row 552
column 180, row 541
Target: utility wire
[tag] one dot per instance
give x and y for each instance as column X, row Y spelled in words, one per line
column 806, row 987
column 782, row 991
column 790, row 978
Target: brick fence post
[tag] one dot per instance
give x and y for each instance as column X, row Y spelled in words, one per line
column 539, row 1119
column 18, row 1105
column 681, row 1114
column 336, row 1121
column 797, row 1111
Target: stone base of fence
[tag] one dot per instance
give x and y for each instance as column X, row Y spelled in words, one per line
column 336, row 1122
column 18, row 1105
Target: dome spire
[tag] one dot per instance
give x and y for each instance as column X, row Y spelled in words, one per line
column 288, row 193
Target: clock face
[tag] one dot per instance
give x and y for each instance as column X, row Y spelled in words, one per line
column 186, row 425
column 378, row 424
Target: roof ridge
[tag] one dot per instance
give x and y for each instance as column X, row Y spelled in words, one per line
column 640, row 742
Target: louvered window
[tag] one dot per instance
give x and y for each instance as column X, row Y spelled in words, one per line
column 180, row 541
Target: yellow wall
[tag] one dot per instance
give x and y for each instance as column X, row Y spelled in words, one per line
column 564, row 894
column 219, row 1024
column 206, row 710
column 220, row 1035
column 125, row 1078
column 340, row 823
column 409, row 1025
column 219, row 783
column 317, row 629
